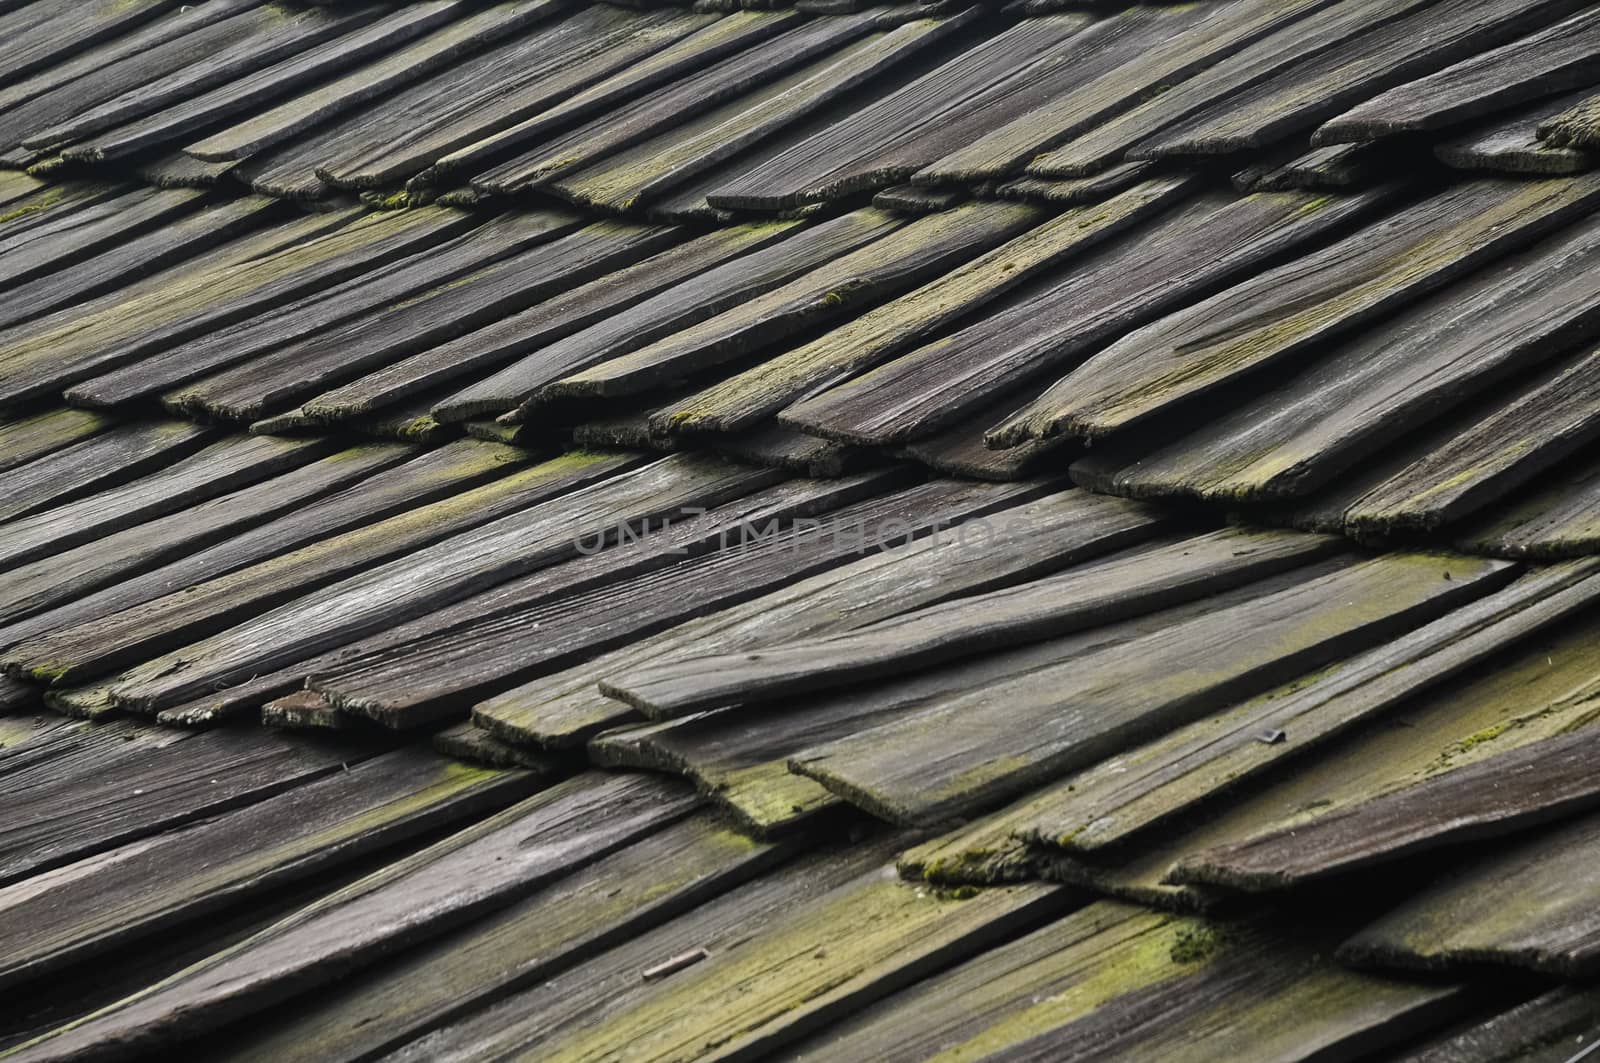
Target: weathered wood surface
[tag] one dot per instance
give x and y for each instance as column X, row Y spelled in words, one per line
column 1186, row 253
column 146, row 887
column 1554, row 1027
column 952, row 757
column 301, row 369
column 205, row 61
column 887, row 140
column 476, row 871
column 1310, row 92
column 673, row 62
column 211, row 291
column 567, row 707
column 177, row 170
column 595, row 304
column 1557, row 58
column 1086, row 595
column 104, row 460
column 1534, row 904
column 1103, row 145
column 1117, row 62
column 118, row 795
column 1488, row 454
column 564, row 503
column 399, row 137
column 160, row 64
column 1070, row 191
column 428, row 477
column 1114, row 982
column 273, row 572
column 445, row 672
column 63, row 241
column 139, row 255
column 754, row 395
column 1539, row 783
column 914, row 199
column 320, row 310
column 172, row 125
column 1370, row 391
column 1282, row 312
column 1147, row 785
column 585, row 996
column 217, row 469
column 468, row 742
column 627, row 179
column 434, row 51
column 1338, row 166
column 1575, row 127
column 28, row 436
column 306, row 710
column 903, row 259
column 1544, row 688
column 54, row 34
column 1553, row 517
column 690, row 296
column 1511, row 142
column 681, row 538
column 617, row 899
column 827, row 953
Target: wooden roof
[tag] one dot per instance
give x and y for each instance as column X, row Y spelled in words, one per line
column 595, row 531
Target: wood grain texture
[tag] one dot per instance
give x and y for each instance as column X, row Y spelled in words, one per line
column 1371, row 390
column 950, row 758
column 66, row 240
column 28, row 436
column 400, row 137
column 612, row 901
column 905, row 258
column 208, row 292
column 898, row 132
column 1535, row 425
column 434, row 51
column 1310, row 92
column 541, row 326
column 625, row 180
column 1539, row 783
column 1551, row 1028
column 584, row 996
column 560, row 505
column 1086, row 595
column 272, row 573
column 1511, row 143
column 320, row 310
column 1558, row 58
column 1106, row 143
column 123, row 791
column 1185, row 253
column 447, row 671
column 754, row 395
column 1531, row 904
column 64, row 918
column 1553, row 517
column 1114, row 982
column 163, row 65
column 1319, row 297
column 687, row 297
column 671, row 60
column 720, row 526
column 223, row 466
column 299, row 370
column 1147, row 785
column 471, row 873
column 100, row 461
column 827, row 955
column 1117, row 62
column 209, row 224
column 566, row 708
column 314, row 60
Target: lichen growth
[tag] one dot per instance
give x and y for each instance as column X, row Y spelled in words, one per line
column 1195, row 943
